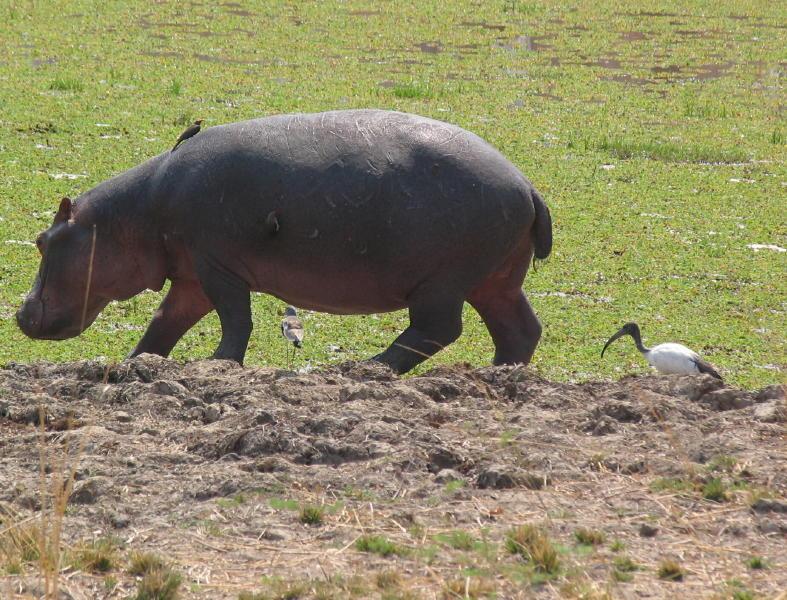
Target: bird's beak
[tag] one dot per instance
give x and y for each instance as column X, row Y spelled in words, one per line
column 620, row 333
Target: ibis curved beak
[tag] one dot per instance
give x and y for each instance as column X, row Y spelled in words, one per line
column 620, row 333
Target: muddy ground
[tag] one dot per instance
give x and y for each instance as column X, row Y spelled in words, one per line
column 209, row 465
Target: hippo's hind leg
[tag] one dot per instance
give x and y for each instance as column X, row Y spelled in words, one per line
column 435, row 322
column 507, row 314
column 231, row 297
column 513, row 325
column 184, row 305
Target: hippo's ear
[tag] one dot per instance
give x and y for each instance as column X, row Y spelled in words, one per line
column 64, row 212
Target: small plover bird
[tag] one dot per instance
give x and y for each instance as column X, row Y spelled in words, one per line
column 292, row 329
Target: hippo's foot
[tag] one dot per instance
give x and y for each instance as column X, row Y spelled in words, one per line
column 378, row 359
column 228, row 356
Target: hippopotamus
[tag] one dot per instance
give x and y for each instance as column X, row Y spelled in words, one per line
column 346, row 212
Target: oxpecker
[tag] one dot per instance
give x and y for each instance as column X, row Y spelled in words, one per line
column 190, row 132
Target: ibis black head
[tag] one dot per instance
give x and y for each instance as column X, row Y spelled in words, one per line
column 290, row 312
column 631, row 329
column 199, row 121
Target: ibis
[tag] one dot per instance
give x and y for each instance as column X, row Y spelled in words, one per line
column 292, row 328
column 667, row 358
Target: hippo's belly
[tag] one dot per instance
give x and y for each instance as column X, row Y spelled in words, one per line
column 349, row 291
column 361, row 275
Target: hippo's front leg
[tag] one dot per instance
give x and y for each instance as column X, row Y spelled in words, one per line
column 231, row 297
column 183, row 306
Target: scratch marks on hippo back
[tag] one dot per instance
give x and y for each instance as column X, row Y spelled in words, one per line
column 373, row 169
column 367, row 133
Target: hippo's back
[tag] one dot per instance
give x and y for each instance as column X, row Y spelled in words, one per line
column 365, row 144
column 388, row 135
column 393, row 164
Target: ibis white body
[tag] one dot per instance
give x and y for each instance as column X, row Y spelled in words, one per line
column 673, row 358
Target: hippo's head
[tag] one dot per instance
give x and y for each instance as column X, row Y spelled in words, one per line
column 66, row 296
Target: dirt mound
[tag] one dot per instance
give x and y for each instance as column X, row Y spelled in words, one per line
column 211, row 466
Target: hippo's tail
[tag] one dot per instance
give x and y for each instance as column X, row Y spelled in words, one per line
column 542, row 228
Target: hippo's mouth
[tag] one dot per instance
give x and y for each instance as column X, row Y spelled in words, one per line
column 66, row 326
column 60, row 329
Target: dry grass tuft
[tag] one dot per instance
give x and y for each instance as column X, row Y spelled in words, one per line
column 141, row 563
column 56, row 482
column 589, row 537
column 19, row 541
column 386, row 580
column 533, row 544
column 715, row 490
column 159, row 584
column 98, row 556
column 28, row 540
column 623, row 566
column 311, row 515
column 671, row 570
